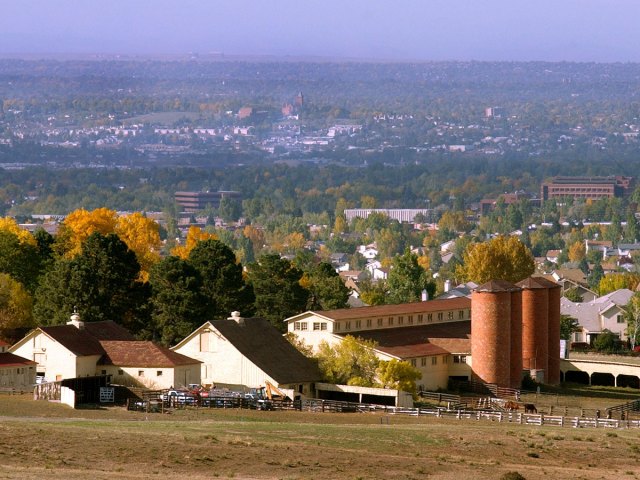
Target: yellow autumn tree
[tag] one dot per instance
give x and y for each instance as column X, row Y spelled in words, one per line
column 502, row 258
column 295, row 241
column 577, row 251
column 80, row 224
column 8, row 224
column 15, row 307
column 142, row 236
column 194, row 235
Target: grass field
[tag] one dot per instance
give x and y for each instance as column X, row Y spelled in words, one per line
column 46, row 440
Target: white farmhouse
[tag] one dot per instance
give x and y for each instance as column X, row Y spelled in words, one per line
column 246, row 352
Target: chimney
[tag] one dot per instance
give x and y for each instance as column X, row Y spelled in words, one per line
column 235, row 316
column 75, row 320
column 447, row 285
column 425, row 295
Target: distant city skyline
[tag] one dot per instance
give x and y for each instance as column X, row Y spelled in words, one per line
column 405, row 30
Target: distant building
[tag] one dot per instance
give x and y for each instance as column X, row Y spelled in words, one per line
column 592, row 188
column 403, row 215
column 195, row 201
column 299, row 100
column 494, row 112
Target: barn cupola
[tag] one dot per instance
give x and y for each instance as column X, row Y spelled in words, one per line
column 235, row 316
column 75, row 320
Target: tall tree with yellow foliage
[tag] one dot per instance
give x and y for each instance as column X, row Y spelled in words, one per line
column 194, row 236
column 142, row 236
column 502, row 258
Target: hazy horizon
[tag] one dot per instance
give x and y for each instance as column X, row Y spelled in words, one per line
column 408, row 30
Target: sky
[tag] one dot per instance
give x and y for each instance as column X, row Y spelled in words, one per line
column 402, row 30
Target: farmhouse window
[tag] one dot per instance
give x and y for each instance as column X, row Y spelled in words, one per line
column 424, row 361
column 460, row 314
column 450, row 315
column 358, row 323
column 323, row 326
column 420, row 318
column 413, row 362
column 401, row 320
column 390, row 320
column 434, row 360
column 369, row 322
column 380, row 320
column 430, row 317
column 141, row 373
column 410, row 319
column 303, row 325
column 159, row 373
column 440, row 315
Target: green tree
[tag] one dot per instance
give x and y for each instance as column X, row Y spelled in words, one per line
column 353, row 361
column 407, row 279
column 373, row 293
column 278, row 293
column 178, row 304
column 632, row 317
column 327, row 290
column 223, row 284
column 605, row 342
column 230, row 209
column 503, row 258
column 399, row 375
column 102, row 282
column 573, row 295
column 568, row 325
column 19, row 259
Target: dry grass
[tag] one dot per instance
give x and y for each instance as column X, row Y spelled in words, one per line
column 40, row 440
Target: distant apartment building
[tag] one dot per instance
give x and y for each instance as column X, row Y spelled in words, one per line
column 403, row 215
column 196, row 201
column 591, row 188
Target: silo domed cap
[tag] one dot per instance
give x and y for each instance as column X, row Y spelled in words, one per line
column 532, row 283
column 495, row 286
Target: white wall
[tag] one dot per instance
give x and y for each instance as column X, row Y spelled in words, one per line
column 18, row 377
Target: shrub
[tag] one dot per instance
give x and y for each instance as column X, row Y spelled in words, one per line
column 512, row 476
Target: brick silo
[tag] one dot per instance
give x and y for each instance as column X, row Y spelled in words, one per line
column 553, row 371
column 516, row 338
column 535, row 326
column 491, row 332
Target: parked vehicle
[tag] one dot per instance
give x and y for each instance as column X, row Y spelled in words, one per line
column 181, row 397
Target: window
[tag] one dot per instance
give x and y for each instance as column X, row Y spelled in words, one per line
column 296, row 325
column 413, row 362
column 380, row 320
column 369, row 322
column 400, row 320
column 141, row 373
column 347, row 326
column 420, row 318
column 410, row 319
column 434, row 360
column 459, row 359
column 620, row 319
column 336, row 327
column 205, row 338
column 120, row 372
column 303, row 325
column 390, row 320
column 104, row 372
column 445, row 359
column 460, row 314
column 316, row 325
column 159, row 373
column 424, row 361
column 450, row 315
column 440, row 315
column 430, row 317
column 323, row 326
column 358, row 323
